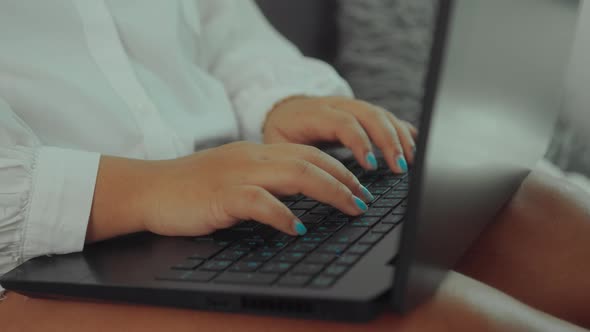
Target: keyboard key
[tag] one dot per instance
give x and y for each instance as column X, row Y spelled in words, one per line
column 205, row 249
column 364, row 221
column 215, row 265
column 274, row 245
column 279, row 236
column 231, row 254
column 358, row 249
column 189, row 264
column 393, row 219
column 263, row 232
column 329, row 227
column 386, row 182
column 376, row 212
column 245, row 226
column 348, row 234
column 335, row 270
column 396, row 194
column 292, row 280
column 307, row 269
column 314, row 237
column 247, row 244
column 387, row 202
column 245, row 266
column 304, row 205
column 332, row 248
column 402, row 187
column 399, row 210
column 382, row 228
column 319, row 258
column 289, row 257
column 261, row 255
column 322, row 210
column 347, row 259
column 311, row 218
column 338, row 217
column 298, row 213
column 378, row 190
column 246, row 278
column 291, row 198
column 228, row 235
column 322, row 281
column 370, row 238
column 303, row 247
column 275, row 267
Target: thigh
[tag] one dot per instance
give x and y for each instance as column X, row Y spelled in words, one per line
column 538, row 249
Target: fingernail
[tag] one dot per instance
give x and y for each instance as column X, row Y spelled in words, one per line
column 299, row 227
column 403, row 165
column 371, row 160
column 368, row 196
column 414, row 150
column 360, row 204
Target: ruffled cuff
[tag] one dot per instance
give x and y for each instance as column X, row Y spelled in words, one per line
column 60, row 201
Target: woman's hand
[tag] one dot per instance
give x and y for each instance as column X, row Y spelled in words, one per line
column 353, row 123
column 216, row 188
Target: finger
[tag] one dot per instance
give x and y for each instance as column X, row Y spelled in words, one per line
column 333, row 125
column 345, row 128
column 254, row 203
column 405, row 137
column 327, row 163
column 381, row 132
column 413, row 130
column 295, row 176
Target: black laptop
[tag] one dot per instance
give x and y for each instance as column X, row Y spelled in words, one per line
column 492, row 93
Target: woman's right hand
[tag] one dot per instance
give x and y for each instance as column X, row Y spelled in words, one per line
column 218, row 187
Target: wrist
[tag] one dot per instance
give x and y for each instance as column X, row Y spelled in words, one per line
column 120, row 197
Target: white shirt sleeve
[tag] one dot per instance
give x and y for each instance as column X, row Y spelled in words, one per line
column 45, row 194
column 257, row 66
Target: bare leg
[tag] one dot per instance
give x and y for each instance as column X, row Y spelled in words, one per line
column 538, row 250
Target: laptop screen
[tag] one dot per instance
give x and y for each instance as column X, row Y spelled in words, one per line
column 493, row 91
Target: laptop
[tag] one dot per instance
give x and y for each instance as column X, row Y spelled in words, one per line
column 492, row 93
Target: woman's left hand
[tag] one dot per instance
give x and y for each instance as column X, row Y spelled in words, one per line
column 353, row 123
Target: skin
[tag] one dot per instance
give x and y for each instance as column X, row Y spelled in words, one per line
column 215, row 188
column 537, row 250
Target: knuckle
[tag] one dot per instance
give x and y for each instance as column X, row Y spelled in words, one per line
column 341, row 190
column 349, row 178
column 313, row 153
column 301, row 169
column 254, row 195
column 346, row 120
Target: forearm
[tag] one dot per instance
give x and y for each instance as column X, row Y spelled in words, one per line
column 116, row 204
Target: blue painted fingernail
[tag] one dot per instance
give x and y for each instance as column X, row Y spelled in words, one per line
column 300, row 227
column 371, row 160
column 360, row 204
column 368, row 196
column 403, row 165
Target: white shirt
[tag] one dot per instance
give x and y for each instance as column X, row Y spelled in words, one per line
column 140, row 79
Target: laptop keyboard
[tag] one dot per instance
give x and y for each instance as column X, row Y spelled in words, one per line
column 251, row 253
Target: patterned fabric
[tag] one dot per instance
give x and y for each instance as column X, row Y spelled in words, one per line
column 384, row 54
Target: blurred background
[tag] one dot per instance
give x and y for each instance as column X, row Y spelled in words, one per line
column 381, row 47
